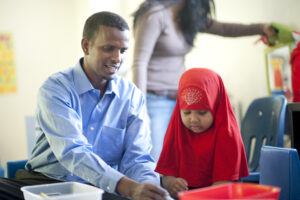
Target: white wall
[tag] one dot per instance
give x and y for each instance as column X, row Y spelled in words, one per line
column 46, row 36
column 47, row 33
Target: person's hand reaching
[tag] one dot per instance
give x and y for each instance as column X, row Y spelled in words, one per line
column 140, row 191
column 269, row 30
column 147, row 191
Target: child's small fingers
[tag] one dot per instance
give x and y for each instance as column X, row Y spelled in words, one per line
column 183, row 183
column 181, row 187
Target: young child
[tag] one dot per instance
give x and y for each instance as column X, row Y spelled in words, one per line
column 203, row 144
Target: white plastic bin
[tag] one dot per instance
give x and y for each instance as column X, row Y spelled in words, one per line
column 62, row 191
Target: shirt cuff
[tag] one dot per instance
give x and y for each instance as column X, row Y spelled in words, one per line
column 109, row 180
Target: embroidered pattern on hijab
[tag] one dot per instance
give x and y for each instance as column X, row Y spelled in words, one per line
column 191, row 96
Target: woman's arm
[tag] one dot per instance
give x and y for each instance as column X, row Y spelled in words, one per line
column 237, row 29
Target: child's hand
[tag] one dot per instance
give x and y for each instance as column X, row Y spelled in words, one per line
column 174, row 185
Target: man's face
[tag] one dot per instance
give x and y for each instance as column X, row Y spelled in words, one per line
column 105, row 53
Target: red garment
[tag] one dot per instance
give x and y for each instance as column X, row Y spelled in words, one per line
column 295, row 62
column 215, row 155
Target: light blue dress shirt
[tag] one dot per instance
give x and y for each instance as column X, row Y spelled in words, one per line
column 83, row 138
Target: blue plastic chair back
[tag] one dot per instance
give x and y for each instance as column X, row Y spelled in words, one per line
column 1, row 171
column 263, row 124
column 13, row 166
column 281, row 167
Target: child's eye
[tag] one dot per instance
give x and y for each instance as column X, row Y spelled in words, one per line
column 202, row 112
column 187, row 112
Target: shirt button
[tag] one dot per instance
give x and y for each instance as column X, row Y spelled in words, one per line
column 108, row 188
column 91, row 128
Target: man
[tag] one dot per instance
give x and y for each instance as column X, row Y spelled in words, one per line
column 90, row 122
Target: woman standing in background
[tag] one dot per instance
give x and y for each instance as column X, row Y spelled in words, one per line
column 164, row 32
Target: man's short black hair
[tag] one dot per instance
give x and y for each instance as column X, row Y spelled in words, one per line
column 104, row 18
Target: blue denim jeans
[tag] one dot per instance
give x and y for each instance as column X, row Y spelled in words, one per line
column 160, row 109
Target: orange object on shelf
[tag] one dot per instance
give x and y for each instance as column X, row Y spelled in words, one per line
column 232, row 191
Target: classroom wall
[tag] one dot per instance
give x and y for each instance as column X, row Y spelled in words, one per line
column 47, row 34
column 46, row 38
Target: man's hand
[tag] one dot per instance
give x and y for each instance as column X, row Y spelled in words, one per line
column 148, row 191
column 140, row 191
column 174, row 185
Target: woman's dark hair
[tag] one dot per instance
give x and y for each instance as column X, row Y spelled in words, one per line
column 91, row 26
column 191, row 19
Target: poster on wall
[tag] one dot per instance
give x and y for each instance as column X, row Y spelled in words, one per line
column 279, row 70
column 7, row 66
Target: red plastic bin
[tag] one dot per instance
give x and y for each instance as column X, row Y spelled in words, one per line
column 232, row 191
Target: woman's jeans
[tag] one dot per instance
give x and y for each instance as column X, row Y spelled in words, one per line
column 160, row 109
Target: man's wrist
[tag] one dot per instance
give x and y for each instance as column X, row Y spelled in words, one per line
column 126, row 186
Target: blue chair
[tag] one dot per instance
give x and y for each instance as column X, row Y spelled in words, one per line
column 281, row 167
column 1, row 171
column 263, row 124
column 13, row 166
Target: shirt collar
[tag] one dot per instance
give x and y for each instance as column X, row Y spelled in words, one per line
column 81, row 81
column 83, row 84
column 112, row 86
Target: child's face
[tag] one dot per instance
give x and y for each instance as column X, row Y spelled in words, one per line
column 197, row 121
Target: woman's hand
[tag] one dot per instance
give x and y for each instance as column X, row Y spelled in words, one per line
column 269, row 30
column 174, row 185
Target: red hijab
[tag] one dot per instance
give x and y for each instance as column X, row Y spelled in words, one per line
column 217, row 154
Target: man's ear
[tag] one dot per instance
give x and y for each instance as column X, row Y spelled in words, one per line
column 85, row 46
